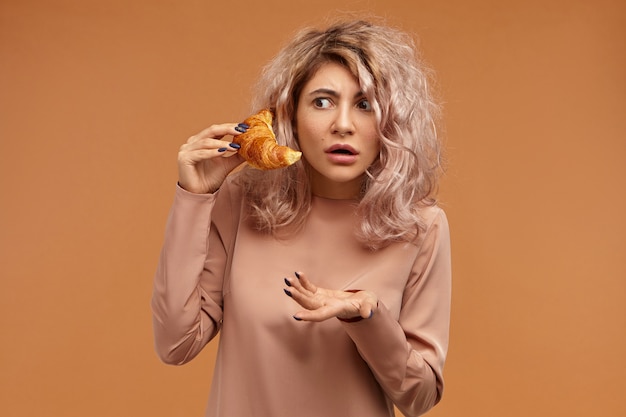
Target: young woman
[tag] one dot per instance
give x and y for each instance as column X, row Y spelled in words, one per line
column 329, row 280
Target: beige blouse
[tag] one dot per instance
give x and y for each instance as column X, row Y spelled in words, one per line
column 216, row 273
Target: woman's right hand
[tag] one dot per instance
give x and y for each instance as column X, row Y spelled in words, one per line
column 205, row 160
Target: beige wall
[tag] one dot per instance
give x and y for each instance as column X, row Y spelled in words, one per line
column 96, row 97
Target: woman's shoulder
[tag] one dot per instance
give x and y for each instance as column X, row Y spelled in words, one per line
column 431, row 213
column 433, row 220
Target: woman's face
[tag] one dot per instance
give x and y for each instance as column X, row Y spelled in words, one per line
column 336, row 130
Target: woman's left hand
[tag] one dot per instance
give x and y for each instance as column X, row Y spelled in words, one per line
column 322, row 304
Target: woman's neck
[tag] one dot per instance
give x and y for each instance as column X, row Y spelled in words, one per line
column 337, row 190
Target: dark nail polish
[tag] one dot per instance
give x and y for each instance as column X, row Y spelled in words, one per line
column 221, row 150
column 287, row 282
column 297, row 275
column 240, row 129
column 245, row 126
column 234, row 145
column 297, row 318
column 288, row 292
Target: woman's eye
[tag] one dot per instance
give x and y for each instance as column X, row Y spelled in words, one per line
column 322, row 103
column 364, row 105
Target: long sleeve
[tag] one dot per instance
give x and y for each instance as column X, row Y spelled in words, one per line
column 187, row 290
column 407, row 355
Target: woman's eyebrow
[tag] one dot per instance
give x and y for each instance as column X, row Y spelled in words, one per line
column 326, row 91
column 333, row 93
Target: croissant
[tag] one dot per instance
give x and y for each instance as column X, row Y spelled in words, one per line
column 259, row 147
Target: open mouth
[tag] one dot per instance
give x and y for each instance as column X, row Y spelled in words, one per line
column 342, row 149
column 342, row 152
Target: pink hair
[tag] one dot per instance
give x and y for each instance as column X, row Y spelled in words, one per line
column 396, row 82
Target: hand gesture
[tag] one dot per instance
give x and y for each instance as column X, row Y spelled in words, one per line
column 205, row 160
column 321, row 304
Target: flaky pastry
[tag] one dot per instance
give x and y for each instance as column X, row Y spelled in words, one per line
column 259, row 147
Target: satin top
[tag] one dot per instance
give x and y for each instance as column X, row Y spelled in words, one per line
column 217, row 273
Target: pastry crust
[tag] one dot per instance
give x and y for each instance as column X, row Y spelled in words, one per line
column 259, row 147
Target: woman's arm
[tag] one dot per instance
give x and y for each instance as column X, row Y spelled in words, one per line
column 407, row 355
column 187, row 295
column 187, row 301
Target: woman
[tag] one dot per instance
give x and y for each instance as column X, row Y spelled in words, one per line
column 329, row 280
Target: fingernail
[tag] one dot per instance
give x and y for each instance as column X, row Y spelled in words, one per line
column 288, row 292
column 287, row 282
column 241, row 129
column 245, row 126
column 234, row 145
column 371, row 314
column 297, row 318
column 221, row 150
column 297, row 275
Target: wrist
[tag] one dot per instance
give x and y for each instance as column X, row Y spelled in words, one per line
column 192, row 190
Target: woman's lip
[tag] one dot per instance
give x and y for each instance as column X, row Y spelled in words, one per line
column 342, row 158
column 341, row 146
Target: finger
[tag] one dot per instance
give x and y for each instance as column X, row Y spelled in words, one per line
column 216, row 131
column 297, row 285
column 308, row 301
column 366, row 311
column 191, row 153
column 305, row 283
column 208, row 143
column 317, row 315
column 230, row 150
column 367, row 304
column 192, row 157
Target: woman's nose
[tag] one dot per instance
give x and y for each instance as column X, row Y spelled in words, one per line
column 343, row 123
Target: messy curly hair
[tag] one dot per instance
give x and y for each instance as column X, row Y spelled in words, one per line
column 395, row 80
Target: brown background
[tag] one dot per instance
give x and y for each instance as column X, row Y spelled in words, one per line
column 97, row 96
